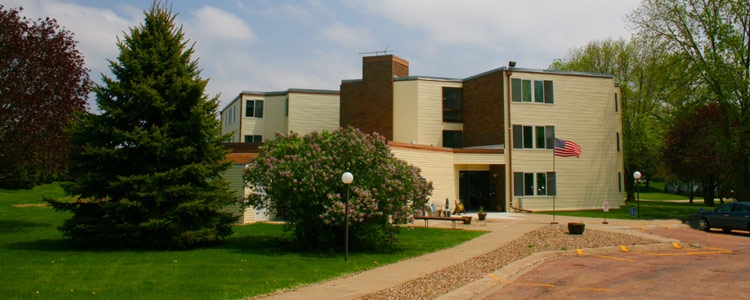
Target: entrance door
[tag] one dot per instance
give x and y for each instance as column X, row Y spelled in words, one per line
column 474, row 189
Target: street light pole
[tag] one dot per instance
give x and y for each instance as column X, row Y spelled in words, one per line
column 346, row 178
column 637, row 175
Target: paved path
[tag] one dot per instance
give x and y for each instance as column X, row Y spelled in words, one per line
column 503, row 227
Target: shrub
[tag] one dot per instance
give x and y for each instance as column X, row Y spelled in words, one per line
column 300, row 179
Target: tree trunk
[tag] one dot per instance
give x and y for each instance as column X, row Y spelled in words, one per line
column 708, row 194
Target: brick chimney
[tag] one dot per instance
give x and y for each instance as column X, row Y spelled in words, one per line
column 368, row 104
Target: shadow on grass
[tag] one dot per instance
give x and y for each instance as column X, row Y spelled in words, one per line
column 10, row 226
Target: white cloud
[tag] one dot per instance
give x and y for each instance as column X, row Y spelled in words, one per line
column 213, row 24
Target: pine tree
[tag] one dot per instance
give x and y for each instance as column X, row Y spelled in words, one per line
column 148, row 170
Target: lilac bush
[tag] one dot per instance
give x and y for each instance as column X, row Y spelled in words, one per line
column 299, row 178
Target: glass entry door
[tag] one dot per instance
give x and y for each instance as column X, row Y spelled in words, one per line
column 474, row 189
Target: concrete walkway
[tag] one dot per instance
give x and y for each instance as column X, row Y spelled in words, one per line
column 502, row 227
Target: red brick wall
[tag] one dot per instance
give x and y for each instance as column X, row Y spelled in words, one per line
column 368, row 105
column 483, row 110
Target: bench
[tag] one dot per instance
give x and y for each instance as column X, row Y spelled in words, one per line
column 464, row 220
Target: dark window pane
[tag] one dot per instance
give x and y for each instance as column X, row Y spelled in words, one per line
column 551, row 183
column 452, row 104
column 249, row 110
column 517, row 137
column 539, row 91
column 541, row 184
column 516, row 89
column 528, row 137
column 617, row 103
column 528, row 184
column 526, row 90
column 259, row 108
column 452, row 139
column 549, row 93
column 540, row 140
column 517, row 184
column 618, row 142
column 619, row 181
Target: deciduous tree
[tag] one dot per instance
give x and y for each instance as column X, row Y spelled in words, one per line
column 713, row 36
column 148, row 170
column 300, row 179
column 696, row 151
column 43, row 85
column 647, row 77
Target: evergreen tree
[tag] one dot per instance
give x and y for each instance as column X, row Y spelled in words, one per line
column 148, row 170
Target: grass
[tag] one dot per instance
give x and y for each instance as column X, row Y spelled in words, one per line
column 37, row 263
column 648, row 210
column 654, row 204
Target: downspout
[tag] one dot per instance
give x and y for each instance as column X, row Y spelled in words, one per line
column 508, row 143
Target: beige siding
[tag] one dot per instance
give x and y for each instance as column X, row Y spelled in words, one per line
column 252, row 126
column 234, row 127
column 273, row 116
column 430, row 123
column 584, row 113
column 436, row 167
column 479, row 159
column 313, row 112
column 442, row 168
column 405, row 109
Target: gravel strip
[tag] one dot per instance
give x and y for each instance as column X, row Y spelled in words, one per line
column 547, row 238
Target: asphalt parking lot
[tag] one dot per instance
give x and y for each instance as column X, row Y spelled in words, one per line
column 701, row 265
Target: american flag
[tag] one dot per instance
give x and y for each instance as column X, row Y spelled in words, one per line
column 567, row 148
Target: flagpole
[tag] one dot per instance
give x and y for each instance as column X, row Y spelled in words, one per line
column 554, row 197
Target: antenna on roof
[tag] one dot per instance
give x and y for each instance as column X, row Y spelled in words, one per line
column 381, row 52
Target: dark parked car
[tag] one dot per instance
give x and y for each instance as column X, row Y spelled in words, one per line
column 729, row 216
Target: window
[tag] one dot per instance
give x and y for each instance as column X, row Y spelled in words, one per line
column 254, row 108
column 528, row 137
column 526, row 91
column 286, row 107
column 533, row 137
column 535, row 184
column 229, row 116
column 541, row 184
column 528, row 184
column 253, row 139
column 542, row 92
column 452, row 139
column 619, row 181
column 618, row 141
column 452, row 98
column 617, row 102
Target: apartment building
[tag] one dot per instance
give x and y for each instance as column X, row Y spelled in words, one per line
column 253, row 117
column 490, row 139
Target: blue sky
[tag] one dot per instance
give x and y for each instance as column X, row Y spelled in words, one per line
column 268, row 45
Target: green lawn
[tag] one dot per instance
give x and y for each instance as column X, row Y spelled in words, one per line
column 648, row 210
column 37, row 263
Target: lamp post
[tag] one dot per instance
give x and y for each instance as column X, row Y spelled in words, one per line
column 346, row 178
column 637, row 175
